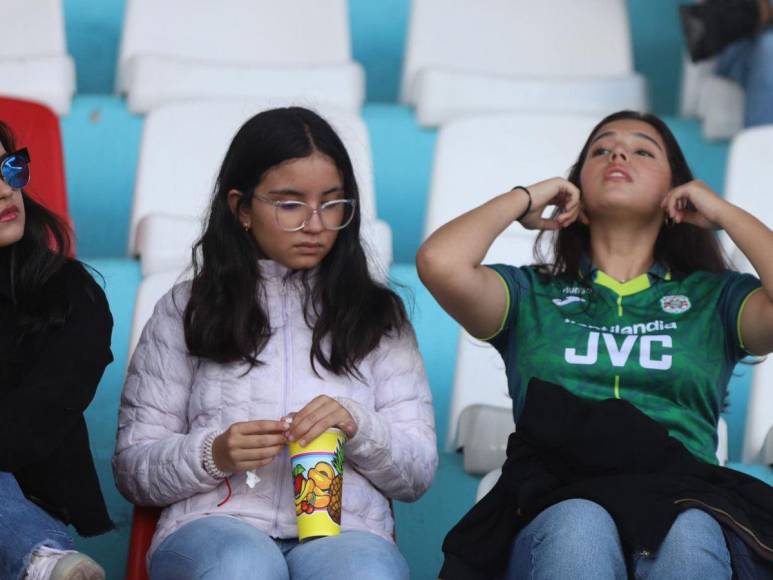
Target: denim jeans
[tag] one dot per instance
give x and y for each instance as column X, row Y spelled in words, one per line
column 23, row 527
column 215, row 547
column 577, row 539
column 749, row 62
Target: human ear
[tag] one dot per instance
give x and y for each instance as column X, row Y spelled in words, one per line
column 241, row 214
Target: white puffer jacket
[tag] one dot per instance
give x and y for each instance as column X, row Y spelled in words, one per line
column 171, row 401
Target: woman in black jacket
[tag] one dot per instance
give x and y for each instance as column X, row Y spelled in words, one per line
column 55, row 330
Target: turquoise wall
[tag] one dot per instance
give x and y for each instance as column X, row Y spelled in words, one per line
column 378, row 38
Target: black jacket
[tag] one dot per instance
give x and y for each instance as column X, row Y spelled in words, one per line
column 611, row 453
column 47, row 379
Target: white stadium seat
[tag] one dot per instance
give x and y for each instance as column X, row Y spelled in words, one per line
column 34, row 63
column 479, row 158
column 749, row 173
column 190, row 49
column 476, row 159
column 181, row 151
column 518, row 55
column 717, row 101
column 481, row 413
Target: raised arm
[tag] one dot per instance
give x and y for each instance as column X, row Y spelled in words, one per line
column 706, row 209
column 449, row 262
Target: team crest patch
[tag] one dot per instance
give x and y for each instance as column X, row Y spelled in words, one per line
column 675, row 304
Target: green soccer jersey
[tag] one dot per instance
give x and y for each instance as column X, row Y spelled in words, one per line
column 667, row 344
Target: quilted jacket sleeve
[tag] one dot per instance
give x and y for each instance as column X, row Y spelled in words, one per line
column 395, row 446
column 157, row 459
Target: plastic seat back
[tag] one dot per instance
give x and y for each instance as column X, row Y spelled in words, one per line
column 480, row 157
column 144, row 520
column 475, row 160
column 181, row 151
column 37, row 127
column 462, row 58
column 749, row 173
column 479, row 376
column 184, row 49
column 34, row 63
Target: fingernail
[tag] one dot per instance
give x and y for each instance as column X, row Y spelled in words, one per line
column 290, row 437
column 302, row 443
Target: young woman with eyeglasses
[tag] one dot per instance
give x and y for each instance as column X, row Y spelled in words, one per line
column 55, row 328
column 635, row 304
column 281, row 334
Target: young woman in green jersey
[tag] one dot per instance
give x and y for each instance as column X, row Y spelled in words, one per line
column 655, row 318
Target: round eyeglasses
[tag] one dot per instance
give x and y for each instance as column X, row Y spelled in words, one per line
column 15, row 168
column 293, row 216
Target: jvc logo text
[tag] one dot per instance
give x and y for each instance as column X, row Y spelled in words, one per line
column 619, row 354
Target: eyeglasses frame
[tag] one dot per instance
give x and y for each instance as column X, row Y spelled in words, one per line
column 277, row 204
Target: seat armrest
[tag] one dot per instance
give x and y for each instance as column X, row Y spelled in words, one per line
column 488, row 482
column 482, row 437
column 767, row 449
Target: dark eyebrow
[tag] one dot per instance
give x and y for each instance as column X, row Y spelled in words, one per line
column 637, row 133
column 648, row 138
column 301, row 194
column 601, row 136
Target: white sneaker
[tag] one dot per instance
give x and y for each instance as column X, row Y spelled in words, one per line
column 53, row 564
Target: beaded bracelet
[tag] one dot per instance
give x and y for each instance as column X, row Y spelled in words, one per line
column 528, row 206
column 207, row 459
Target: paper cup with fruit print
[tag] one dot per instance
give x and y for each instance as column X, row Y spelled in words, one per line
column 318, row 471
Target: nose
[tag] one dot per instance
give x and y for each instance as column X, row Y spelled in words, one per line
column 618, row 153
column 5, row 189
column 314, row 222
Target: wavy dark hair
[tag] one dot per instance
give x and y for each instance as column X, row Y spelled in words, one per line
column 225, row 320
column 681, row 248
column 34, row 261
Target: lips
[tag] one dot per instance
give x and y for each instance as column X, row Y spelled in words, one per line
column 9, row 214
column 308, row 248
column 616, row 173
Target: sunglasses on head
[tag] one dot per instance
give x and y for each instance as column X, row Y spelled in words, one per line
column 15, row 168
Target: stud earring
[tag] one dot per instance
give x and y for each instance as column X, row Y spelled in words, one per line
column 246, row 227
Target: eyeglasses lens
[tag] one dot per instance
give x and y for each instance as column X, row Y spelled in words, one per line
column 16, row 170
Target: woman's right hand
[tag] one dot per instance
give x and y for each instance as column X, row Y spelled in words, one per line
column 555, row 191
column 249, row 444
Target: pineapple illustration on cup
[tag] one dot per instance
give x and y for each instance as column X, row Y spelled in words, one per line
column 317, row 472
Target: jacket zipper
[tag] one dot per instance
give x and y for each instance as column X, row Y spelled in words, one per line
column 286, row 385
column 763, row 550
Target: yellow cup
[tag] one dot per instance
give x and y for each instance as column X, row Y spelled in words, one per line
column 317, row 472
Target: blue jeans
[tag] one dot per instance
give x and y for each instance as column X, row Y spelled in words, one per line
column 23, row 527
column 749, row 62
column 216, row 547
column 578, row 539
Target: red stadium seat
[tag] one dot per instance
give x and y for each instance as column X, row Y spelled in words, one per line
column 143, row 526
column 37, row 128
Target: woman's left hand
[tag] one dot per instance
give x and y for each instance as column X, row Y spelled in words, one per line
column 694, row 203
column 319, row 414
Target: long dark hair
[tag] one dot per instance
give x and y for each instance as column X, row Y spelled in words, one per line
column 35, row 260
column 681, row 248
column 224, row 319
